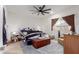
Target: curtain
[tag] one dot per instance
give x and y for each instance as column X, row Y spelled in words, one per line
column 4, row 29
column 53, row 22
column 70, row 20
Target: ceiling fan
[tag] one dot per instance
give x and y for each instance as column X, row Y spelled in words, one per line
column 41, row 10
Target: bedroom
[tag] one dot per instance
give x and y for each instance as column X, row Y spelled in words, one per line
column 22, row 16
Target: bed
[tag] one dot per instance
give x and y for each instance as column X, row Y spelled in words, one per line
column 30, row 35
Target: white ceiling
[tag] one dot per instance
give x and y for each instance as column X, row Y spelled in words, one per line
column 25, row 9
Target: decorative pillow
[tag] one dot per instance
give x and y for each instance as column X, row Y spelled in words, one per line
column 24, row 33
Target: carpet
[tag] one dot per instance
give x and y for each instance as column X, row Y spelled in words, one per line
column 53, row 48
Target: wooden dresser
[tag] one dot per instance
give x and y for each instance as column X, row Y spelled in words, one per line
column 71, row 44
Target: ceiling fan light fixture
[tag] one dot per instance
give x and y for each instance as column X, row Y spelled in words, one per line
column 41, row 10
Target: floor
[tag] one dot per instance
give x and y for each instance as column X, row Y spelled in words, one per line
column 16, row 48
column 53, row 48
column 13, row 48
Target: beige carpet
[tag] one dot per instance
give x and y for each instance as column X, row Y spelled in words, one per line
column 53, row 48
column 21, row 48
column 13, row 48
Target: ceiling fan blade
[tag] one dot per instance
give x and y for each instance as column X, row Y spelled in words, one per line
column 36, row 8
column 42, row 7
column 38, row 13
column 42, row 13
column 33, row 10
column 47, row 10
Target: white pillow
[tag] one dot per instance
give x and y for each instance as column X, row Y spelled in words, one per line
column 33, row 33
column 34, row 37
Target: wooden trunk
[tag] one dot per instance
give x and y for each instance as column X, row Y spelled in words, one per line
column 37, row 43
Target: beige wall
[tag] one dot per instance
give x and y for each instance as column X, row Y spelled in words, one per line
column 14, row 22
